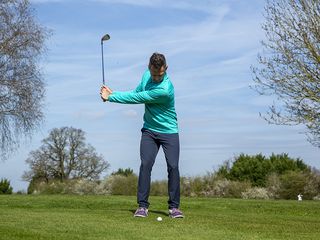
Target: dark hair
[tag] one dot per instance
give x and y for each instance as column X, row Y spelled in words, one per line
column 157, row 60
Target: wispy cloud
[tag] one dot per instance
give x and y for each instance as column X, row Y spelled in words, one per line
column 192, row 5
column 89, row 115
column 47, row 1
column 131, row 113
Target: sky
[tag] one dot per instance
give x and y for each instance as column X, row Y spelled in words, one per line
column 209, row 45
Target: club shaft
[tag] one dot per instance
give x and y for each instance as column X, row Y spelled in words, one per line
column 103, row 81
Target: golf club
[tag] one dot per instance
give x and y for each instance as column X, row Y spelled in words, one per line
column 104, row 38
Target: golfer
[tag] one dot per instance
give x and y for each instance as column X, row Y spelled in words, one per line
column 160, row 128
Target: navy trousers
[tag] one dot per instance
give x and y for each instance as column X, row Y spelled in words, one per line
column 149, row 147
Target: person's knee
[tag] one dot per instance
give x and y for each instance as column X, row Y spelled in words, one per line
column 146, row 166
column 173, row 167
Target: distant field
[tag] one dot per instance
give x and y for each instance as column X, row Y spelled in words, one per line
column 110, row 217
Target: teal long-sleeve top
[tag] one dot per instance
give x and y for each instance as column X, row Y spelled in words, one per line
column 160, row 114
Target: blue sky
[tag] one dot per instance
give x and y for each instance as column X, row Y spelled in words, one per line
column 210, row 46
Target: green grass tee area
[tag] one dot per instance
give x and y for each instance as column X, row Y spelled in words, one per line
column 111, row 217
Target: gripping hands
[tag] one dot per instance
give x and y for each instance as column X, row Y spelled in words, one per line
column 105, row 92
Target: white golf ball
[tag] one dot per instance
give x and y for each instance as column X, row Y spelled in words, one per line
column 159, row 219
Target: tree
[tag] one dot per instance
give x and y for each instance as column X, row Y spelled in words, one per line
column 124, row 172
column 282, row 163
column 257, row 168
column 64, row 155
column 290, row 65
column 5, row 187
column 250, row 168
column 21, row 84
column 292, row 184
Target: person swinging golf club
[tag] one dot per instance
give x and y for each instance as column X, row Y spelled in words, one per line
column 160, row 128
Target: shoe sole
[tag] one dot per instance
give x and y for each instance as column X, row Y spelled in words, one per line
column 179, row 216
column 140, row 216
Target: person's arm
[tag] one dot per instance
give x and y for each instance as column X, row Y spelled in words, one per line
column 139, row 87
column 158, row 95
column 125, row 97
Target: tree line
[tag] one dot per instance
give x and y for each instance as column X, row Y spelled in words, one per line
column 247, row 176
column 66, row 164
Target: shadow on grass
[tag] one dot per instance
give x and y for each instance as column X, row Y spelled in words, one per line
column 152, row 211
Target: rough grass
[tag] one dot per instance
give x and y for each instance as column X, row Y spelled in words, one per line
column 110, row 217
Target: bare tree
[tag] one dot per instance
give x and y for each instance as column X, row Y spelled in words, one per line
column 289, row 66
column 65, row 155
column 21, row 85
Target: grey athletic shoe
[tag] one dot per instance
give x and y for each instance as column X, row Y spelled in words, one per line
column 175, row 213
column 141, row 212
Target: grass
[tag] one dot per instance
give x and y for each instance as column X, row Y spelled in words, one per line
column 110, row 217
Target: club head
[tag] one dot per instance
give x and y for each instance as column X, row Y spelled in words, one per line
column 105, row 38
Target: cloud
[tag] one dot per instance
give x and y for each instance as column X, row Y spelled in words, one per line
column 47, row 1
column 130, row 113
column 209, row 6
column 192, row 5
column 89, row 115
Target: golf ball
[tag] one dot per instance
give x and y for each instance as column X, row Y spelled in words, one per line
column 159, row 219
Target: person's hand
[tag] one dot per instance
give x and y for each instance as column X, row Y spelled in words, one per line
column 105, row 93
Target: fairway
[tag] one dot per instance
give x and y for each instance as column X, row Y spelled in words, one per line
column 110, row 217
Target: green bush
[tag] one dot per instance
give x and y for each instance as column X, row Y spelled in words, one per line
column 227, row 188
column 159, row 188
column 39, row 186
column 103, row 188
column 278, row 183
column 192, row 186
column 199, row 185
column 317, row 198
column 124, row 172
column 250, row 168
column 34, row 185
column 312, row 188
column 21, row 192
column 256, row 193
column 212, row 185
column 282, row 163
column 5, row 187
column 81, row 187
column 53, row 187
column 273, row 185
column 122, row 185
column 257, row 168
column 72, row 186
column 292, row 184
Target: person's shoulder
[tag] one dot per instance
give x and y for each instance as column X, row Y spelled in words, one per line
column 146, row 74
column 167, row 85
column 168, row 81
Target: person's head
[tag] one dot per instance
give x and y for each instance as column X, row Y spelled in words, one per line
column 157, row 66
